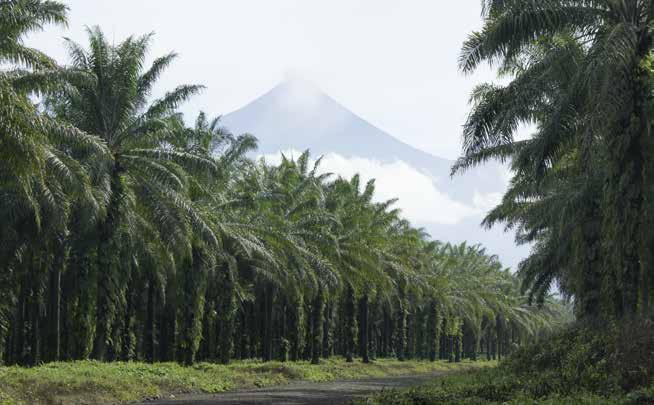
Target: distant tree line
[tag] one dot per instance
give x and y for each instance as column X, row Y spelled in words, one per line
column 128, row 235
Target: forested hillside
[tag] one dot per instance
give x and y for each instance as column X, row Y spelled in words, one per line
column 128, row 235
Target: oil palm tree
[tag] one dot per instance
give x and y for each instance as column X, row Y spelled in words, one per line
column 222, row 246
column 302, row 233
column 145, row 173
column 41, row 178
column 580, row 71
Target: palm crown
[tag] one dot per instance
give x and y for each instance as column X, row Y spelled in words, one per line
column 129, row 235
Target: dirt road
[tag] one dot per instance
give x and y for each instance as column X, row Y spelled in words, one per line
column 337, row 392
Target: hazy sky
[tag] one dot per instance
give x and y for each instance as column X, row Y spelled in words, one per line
column 392, row 62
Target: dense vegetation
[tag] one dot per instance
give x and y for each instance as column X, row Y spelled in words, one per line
column 127, row 235
column 580, row 73
column 93, row 382
column 585, row 364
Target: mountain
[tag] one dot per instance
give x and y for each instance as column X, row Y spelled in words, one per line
column 296, row 115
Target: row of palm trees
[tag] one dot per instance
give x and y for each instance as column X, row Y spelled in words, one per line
column 128, row 235
column 580, row 73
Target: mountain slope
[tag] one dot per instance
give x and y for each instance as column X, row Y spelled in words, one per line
column 296, row 115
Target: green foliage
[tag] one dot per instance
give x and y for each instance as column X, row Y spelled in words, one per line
column 90, row 381
column 129, row 235
column 580, row 73
column 586, row 364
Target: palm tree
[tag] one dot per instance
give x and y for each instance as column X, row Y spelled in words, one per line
column 580, row 71
column 42, row 177
column 302, row 226
column 361, row 229
column 152, row 240
column 146, row 177
column 215, row 198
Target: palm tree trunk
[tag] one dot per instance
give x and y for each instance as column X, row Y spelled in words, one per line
column 493, row 347
column 317, row 310
column 386, row 346
column 295, row 321
column 34, row 316
column 363, row 329
column 374, row 328
column 327, row 331
column 307, row 351
column 54, row 307
column 410, row 350
column 488, row 346
column 349, row 327
column 457, row 348
column 226, row 302
column 78, row 300
column 267, row 342
column 252, row 327
column 401, row 326
column 103, row 314
column 149, row 346
column 107, row 251
column 193, row 289
column 419, row 332
column 168, row 324
column 284, row 343
column 128, row 351
column 442, row 354
column 433, row 336
column 450, row 348
column 16, row 349
column 625, row 188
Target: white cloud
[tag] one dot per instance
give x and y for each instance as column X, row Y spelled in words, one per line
column 486, row 202
column 419, row 198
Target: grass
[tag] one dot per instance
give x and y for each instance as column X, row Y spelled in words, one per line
column 84, row 382
column 589, row 362
column 499, row 386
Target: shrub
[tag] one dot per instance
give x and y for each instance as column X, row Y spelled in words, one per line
column 587, row 363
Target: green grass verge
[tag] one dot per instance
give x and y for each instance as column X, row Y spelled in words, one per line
column 595, row 361
column 497, row 386
column 94, row 382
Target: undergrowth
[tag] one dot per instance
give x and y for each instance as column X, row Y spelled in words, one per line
column 94, row 382
column 605, row 363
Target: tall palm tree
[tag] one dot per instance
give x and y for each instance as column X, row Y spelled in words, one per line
column 221, row 245
column 41, row 177
column 146, row 176
column 215, row 199
column 301, row 223
column 581, row 71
